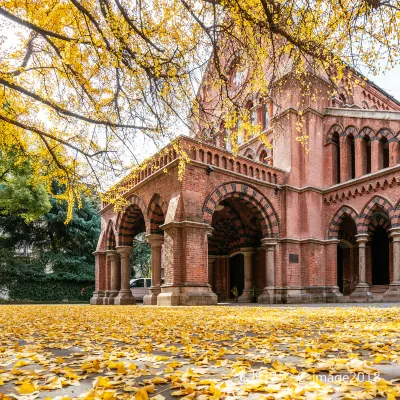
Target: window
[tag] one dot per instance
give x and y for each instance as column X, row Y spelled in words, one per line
column 266, row 116
column 253, row 117
column 385, row 152
column 367, row 152
column 336, row 158
column 148, row 282
column 343, row 99
column 352, row 157
column 137, row 283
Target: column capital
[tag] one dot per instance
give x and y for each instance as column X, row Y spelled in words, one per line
column 155, row 240
column 247, row 250
column 268, row 241
column 99, row 252
column 124, row 250
column 112, row 253
column 395, row 232
column 362, row 238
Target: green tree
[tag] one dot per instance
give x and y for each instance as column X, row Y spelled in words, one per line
column 48, row 259
column 18, row 196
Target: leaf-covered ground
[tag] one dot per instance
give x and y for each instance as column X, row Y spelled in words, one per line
column 107, row 352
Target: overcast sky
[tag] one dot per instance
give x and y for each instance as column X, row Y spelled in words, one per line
column 390, row 82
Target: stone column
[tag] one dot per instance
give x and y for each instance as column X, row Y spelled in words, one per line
column 211, row 269
column 155, row 241
column 393, row 294
column 267, row 295
column 247, row 295
column 125, row 294
column 100, row 277
column 115, row 264
column 361, row 293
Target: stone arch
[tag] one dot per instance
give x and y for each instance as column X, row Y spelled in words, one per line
column 133, row 220
column 379, row 220
column 365, row 131
column 376, row 203
column 110, row 237
column 396, row 216
column 350, row 130
column 333, row 230
column 249, row 153
column 386, row 133
column 156, row 213
column 336, row 128
column 268, row 219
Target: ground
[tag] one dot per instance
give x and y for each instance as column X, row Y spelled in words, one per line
column 100, row 352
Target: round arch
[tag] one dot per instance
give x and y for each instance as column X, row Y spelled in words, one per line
column 336, row 128
column 156, row 213
column 376, row 203
column 110, row 236
column 366, row 131
column 268, row 219
column 130, row 221
column 333, row 230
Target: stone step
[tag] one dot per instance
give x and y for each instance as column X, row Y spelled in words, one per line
column 378, row 289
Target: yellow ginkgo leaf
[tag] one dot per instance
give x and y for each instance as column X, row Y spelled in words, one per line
column 26, row 388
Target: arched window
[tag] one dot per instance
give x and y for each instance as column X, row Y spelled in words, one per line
column 351, row 156
column 385, row 152
column 336, row 158
column 342, row 98
column 367, row 154
column 265, row 116
column 253, row 116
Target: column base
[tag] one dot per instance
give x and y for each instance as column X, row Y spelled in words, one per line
column 98, row 297
column 361, row 294
column 124, row 298
column 109, row 297
column 246, row 297
column 393, row 293
column 300, row 295
column 151, row 298
column 186, row 295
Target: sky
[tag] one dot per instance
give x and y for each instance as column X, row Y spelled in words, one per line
column 390, row 82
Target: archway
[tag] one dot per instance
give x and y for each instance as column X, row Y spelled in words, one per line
column 378, row 262
column 235, row 254
column 132, row 223
column 240, row 217
column 347, row 256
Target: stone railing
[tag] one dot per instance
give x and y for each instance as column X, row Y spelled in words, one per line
column 203, row 153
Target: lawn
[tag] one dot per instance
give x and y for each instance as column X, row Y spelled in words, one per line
column 107, row 352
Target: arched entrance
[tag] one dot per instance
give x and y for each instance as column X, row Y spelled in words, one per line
column 378, row 252
column 243, row 225
column 132, row 223
column 347, row 256
column 234, row 248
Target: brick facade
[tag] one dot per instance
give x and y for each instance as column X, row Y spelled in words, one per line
column 315, row 222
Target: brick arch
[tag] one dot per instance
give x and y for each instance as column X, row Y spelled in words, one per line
column 379, row 220
column 156, row 213
column 366, row 131
column 132, row 221
column 333, row 230
column 396, row 216
column 262, row 208
column 386, row 133
column 336, row 128
column 250, row 152
column 376, row 203
column 110, row 237
column 350, row 130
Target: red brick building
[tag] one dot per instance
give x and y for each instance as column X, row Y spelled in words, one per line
column 291, row 224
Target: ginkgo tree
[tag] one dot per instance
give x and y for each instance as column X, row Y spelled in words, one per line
column 83, row 81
